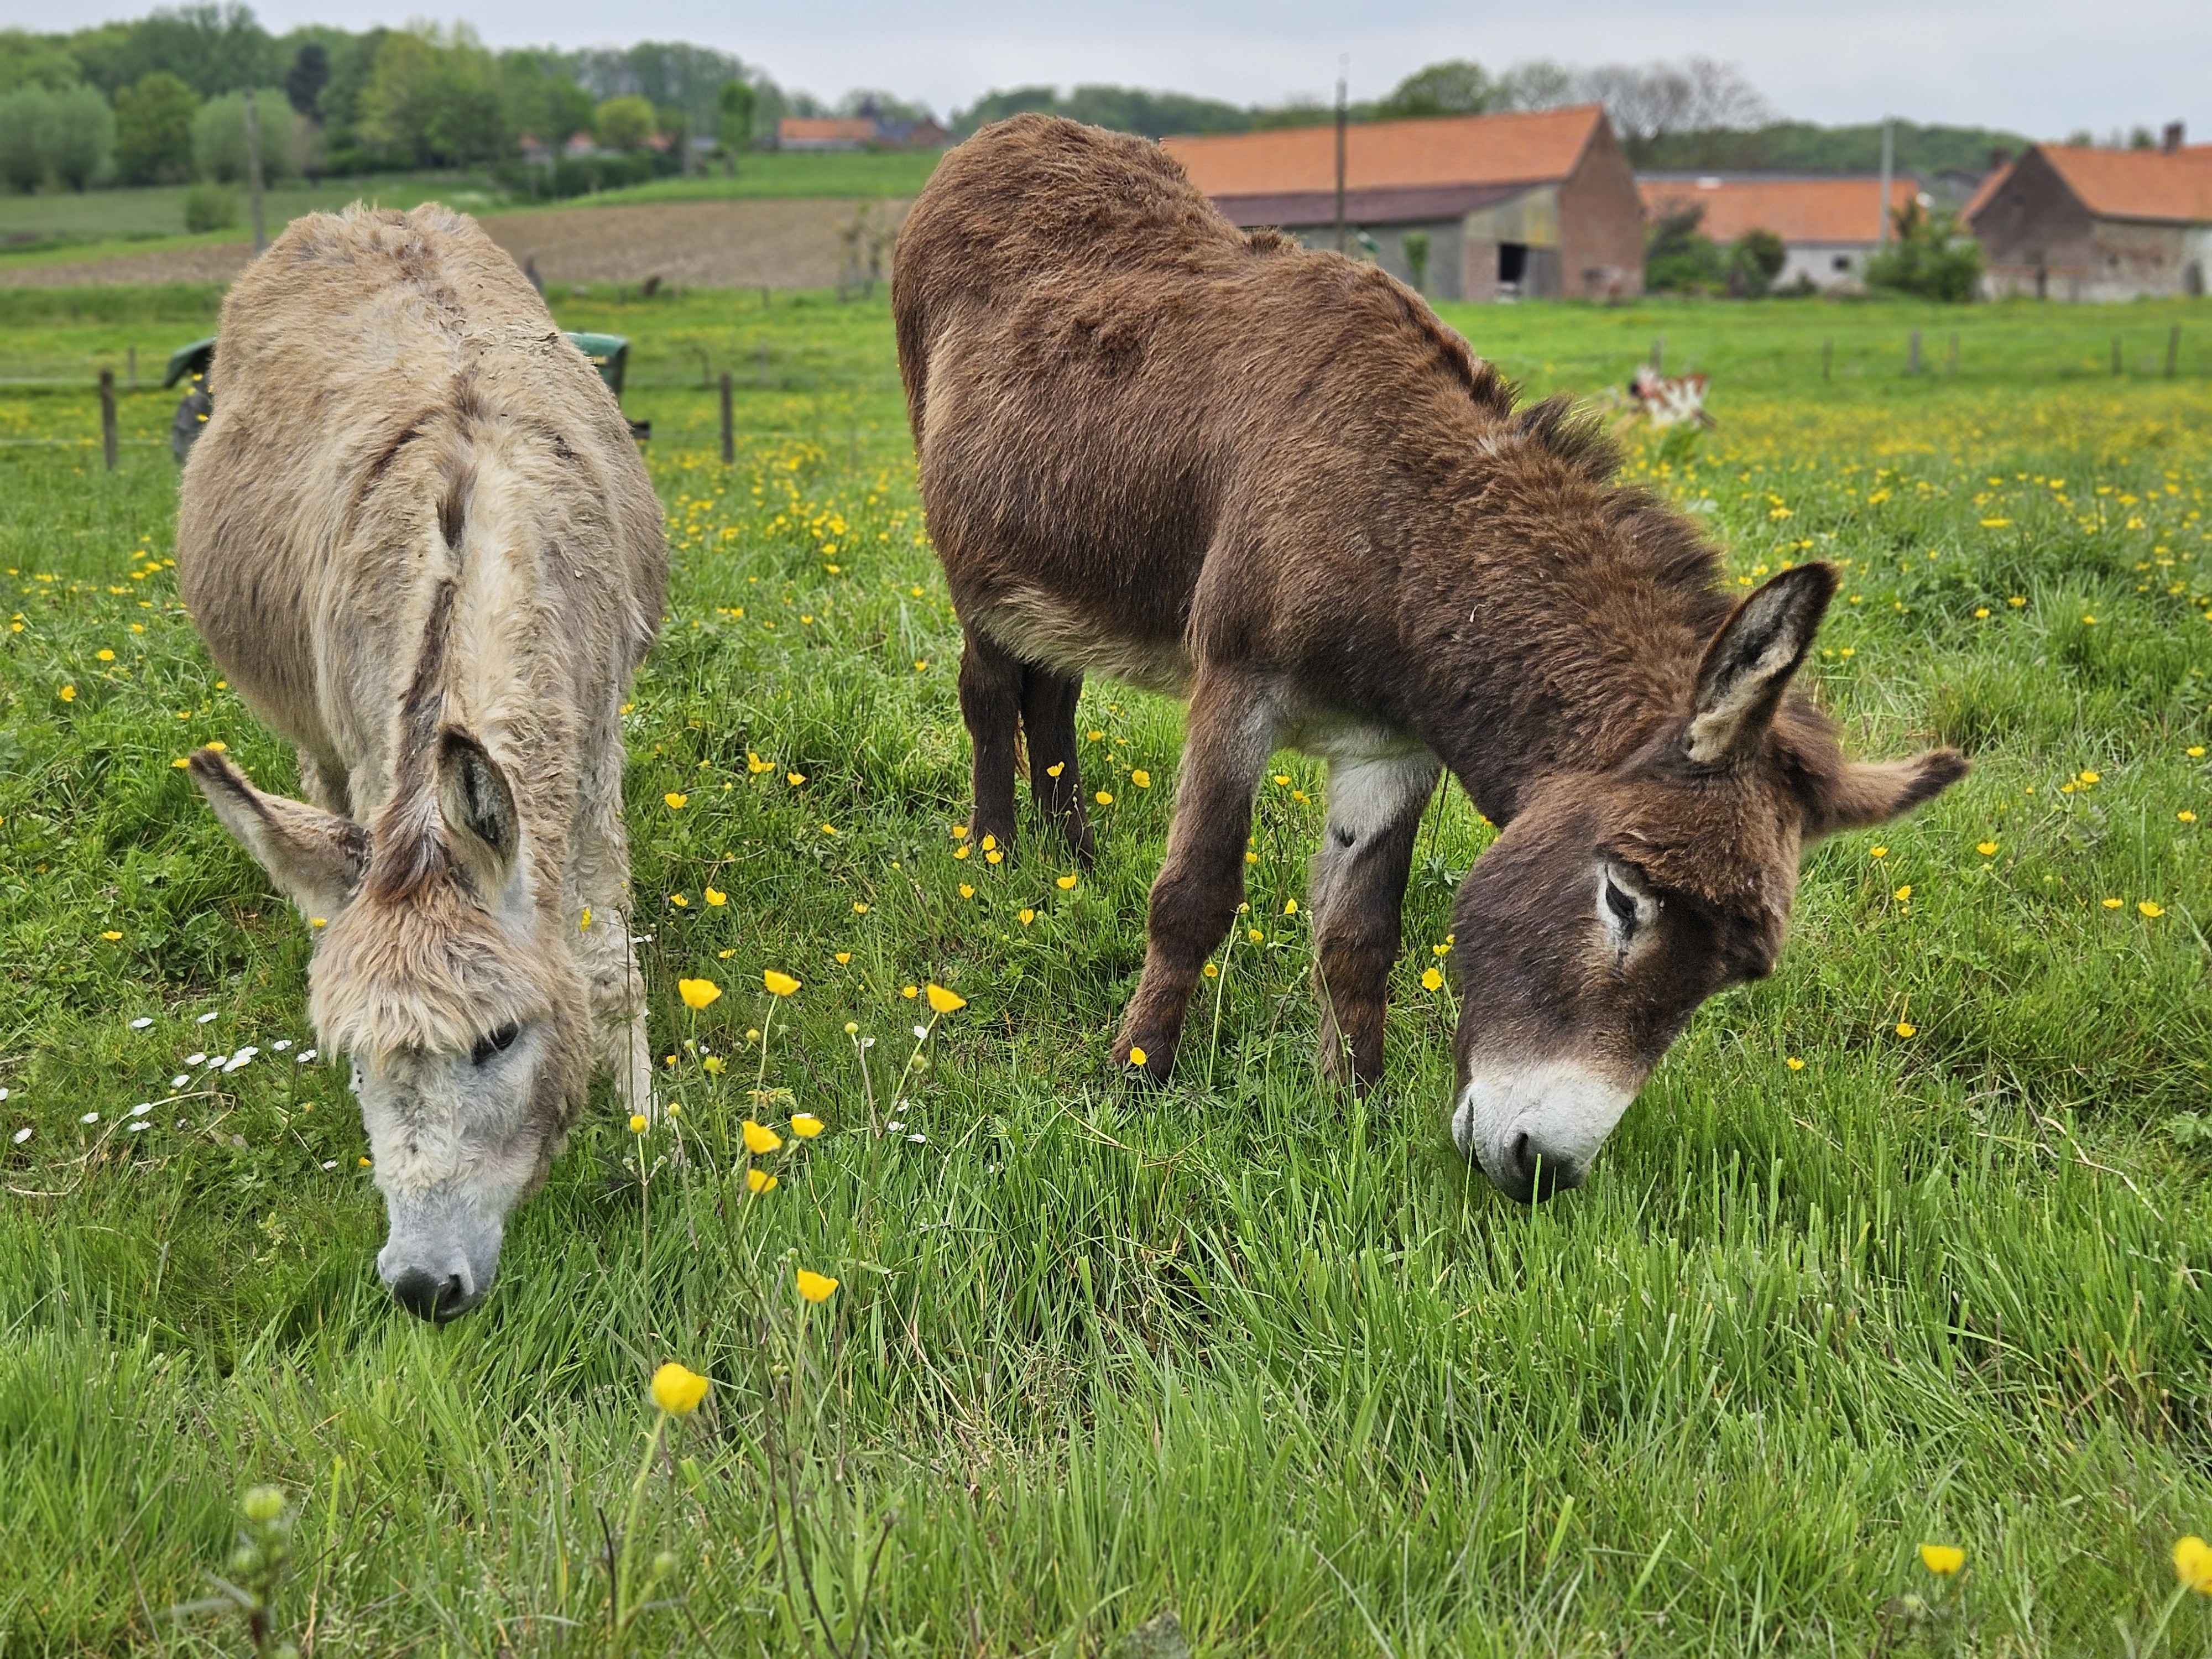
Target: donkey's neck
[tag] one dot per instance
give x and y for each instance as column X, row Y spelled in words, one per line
column 1560, row 621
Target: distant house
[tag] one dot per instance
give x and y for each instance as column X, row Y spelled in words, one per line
column 1828, row 225
column 858, row 132
column 1539, row 204
column 2066, row 221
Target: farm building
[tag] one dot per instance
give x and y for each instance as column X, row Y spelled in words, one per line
column 1829, row 225
column 858, row 132
column 2066, row 221
column 1488, row 207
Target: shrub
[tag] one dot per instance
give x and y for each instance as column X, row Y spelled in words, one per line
column 210, row 207
column 1928, row 257
column 153, row 130
column 1678, row 258
column 1754, row 260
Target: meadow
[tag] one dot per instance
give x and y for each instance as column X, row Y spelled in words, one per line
column 1903, row 1246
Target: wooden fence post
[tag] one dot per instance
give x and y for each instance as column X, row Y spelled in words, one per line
column 729, row 436
column 107, row 416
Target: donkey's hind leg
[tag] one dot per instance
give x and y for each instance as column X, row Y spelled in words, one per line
column 991, row 705
column 1358, row 891
column 1049, row 701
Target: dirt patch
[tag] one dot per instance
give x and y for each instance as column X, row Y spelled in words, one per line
column 761, row 243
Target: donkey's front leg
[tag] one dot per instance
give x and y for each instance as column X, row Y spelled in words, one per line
column 1231, row 730
column 1358, row 895
column 991, row 706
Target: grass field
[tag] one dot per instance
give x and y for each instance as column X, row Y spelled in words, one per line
column 1905, row 1245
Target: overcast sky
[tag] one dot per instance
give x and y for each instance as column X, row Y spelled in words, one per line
column 2043, row 67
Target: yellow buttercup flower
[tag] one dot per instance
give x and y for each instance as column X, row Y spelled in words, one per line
column 815, row 1287
column 105, row 654
column 859, row 908
column 1025, row 917
column 759, row 1181
column 1056, row 769
column 2150, row 908
column 2192, row 1563
column 67, row 693
column 782, row 984
column 994, row 856
column 637, row 1124
column 1431, row 979
column 844, row 957
column 1942, row 1559
column 1104, row 798
column 963, row 851
column 717, row 898
column 2185, row 816
column 1877, row 851
column 1906, row 1030
column 1065, row 883
column 698, row 992
column 1794, row 1064
column 1903, row 893
column 760, row 1140
column 989, row 842
column 909, row 992
column 677, row 1390
column 111, row 935
column 676, row 802
column 944, row 1001
column 805, row 1125
column 679, row 901
column 1141, row 778
column 2115, row 903
column 1136, row 1057
column 966, row 891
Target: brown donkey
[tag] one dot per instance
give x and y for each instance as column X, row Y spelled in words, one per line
column 417, row 536
column 1271, row 482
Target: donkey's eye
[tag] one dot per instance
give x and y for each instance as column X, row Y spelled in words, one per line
column 1622, row 906
column 494, row 1042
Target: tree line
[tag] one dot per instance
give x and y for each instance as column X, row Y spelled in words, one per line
column 160, row 99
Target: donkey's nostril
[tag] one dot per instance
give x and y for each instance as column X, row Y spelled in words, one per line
column 431, row 1298
column 419, row 1293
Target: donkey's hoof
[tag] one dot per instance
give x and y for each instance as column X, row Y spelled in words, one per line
column 1146, row 1068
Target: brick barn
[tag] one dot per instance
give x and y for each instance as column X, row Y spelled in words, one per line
column 1829, row 225
column 1537, row 206
column 2066, row 221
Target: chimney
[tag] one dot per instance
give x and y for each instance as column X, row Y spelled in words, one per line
column 2170, row 141
column 1999, row 157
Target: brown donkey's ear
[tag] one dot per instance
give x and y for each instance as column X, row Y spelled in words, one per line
column 1747, row 666
column 1864, row 794
column 316, row 857
column 478, row 808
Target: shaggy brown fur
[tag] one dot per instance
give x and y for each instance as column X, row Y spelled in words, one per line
column 416, row 536
column 1272, row 482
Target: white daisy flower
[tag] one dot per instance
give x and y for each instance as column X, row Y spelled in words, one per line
column 140, row 1022
column 280, row 1045
column 89, row 1117
column 305, row 1056
column 22, row 1134
column 179, row 1080
column 142, row 1109
column 210, row 1014
column 194, row 1059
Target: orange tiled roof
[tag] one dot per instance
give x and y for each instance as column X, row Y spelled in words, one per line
column 1449, row 149
column 810, row 129
column 2138, row 184
column 1795, row 209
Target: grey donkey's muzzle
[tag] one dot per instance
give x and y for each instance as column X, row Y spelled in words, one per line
column 441, row 1256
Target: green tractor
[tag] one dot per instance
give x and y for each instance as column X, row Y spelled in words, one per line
column 608, row 354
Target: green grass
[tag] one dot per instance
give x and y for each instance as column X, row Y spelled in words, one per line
column 1246, row 1350
column 796, row 172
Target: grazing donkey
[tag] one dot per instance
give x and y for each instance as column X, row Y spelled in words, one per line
column 416, row 536
column 1270, row 482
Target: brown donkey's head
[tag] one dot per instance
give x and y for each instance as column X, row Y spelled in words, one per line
column 434, row 971
column 1615, row 902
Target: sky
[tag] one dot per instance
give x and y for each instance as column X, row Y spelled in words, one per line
column 2042, row 67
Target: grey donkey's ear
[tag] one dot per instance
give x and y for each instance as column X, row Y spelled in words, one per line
column 478, row 807
column 1747, row 666
column 315, row 857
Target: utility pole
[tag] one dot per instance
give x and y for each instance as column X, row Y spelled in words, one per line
column 254, row 172
column 1888, row 161
column 1343, row 70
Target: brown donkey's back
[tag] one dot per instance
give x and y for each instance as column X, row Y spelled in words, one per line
column 1270, row 481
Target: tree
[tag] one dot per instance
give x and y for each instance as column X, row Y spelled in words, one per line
column 219, row 137
column 434, row 96
column 213, row 49
column 80, row 136
column 309, row 73
column 153, row 130
column 24, row 115
column 1926, row 256
column 624, row 122
column 34, row 60
column 1459, row 87
column 734, row 114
